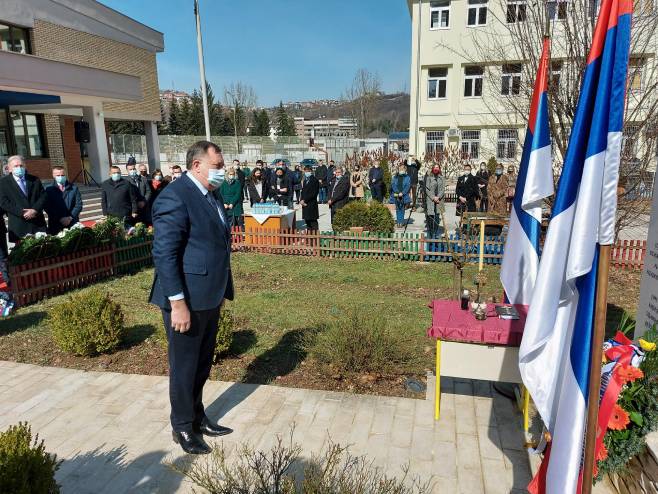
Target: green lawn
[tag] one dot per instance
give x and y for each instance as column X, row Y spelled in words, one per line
column 280, row 301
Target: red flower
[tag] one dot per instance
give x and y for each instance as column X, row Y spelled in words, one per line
column 628, row 373
column 619, row 419
column 602, row 453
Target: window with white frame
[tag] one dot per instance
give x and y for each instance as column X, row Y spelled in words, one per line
column 440, row 14
column 516, row 11
column 477, row 12
column 435, row 142
column 506, row 146
column 511, row 79
column 635, row 66
column 557, row 9
column 556, row 73
column 473, row 77
column 437, row 83
column 471, row 144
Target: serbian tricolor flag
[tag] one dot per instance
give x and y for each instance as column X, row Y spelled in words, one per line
column 534, row 184
column 554, row 357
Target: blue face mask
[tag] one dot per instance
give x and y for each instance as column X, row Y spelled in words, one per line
column 60, row 179
column 133, row 173
column 308, row 174
column 499, row 172
column 216, row 177
column 19, row 171
column 116, row 177
column 157, row 177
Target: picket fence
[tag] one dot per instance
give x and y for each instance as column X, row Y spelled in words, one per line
column 36, row 280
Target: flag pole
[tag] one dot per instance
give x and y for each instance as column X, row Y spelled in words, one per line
column 202, row 69
column 595, row 368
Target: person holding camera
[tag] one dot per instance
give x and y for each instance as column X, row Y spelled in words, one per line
column 400, row 188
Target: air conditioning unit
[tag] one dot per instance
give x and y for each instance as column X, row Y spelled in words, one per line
column 453, row 132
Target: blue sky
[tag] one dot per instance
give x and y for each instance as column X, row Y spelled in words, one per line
column 290, row 50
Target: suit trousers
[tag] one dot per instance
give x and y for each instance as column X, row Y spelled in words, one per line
column 190, row 360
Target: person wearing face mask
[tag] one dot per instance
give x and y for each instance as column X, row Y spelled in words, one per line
column 158, row 183
column 176, row 172
column 400, row 189
column 497, row 189
column 356, row 184
column 139, row 180
column 309, row 199
column 376, row 182
column 257, row 187
column 64, row 203
column 467, row 191
column 339, row 191
column 511, row 186
column 297, row 176
column 413, row 166
column 23, row 198
column 192, row 257
column 231, row 191
column 119, row 197
column 281, row 187
column 434, row 192
column 483, row 180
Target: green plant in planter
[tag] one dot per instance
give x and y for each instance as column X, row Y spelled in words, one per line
column 108, row 229
column 379, row 218
column 35, row 247
column 384, row 165
column 25, row 466
column 88, row 323
column 77, row 239
column 373, row 217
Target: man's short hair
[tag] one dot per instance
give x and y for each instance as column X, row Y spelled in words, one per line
column 176, row 167
column 259, row 161
column 308, row 167
column 199, row 149
column 58, row 168
column 115, row 167
column 16, row 157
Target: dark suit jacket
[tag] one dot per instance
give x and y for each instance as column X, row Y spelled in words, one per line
column 144, row 188
column 310, row 190
column 62, row 204
column 339, row 192
column 321, row 175
column 191, row 248
column 13, row 201
column 119, row 199
column 467, row 187
column 254, row 196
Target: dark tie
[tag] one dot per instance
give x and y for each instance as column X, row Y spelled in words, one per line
column 215, row 206
column 23, row 186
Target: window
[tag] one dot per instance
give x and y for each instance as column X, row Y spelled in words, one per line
column 473, row 81
column 511, row 81
column 516, row 11
column 14, row 39
column 556, row 9
column 556, row 72
column 437, row 83
column 28, row 134
column 440, row 14
column 507, row 139
column 435, row 142
column 471, row 144
column 477, row 12
column 635, row 66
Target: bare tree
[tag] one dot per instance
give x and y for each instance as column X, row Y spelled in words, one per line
column 362, row 95
column 509, row 48
column 239, row 98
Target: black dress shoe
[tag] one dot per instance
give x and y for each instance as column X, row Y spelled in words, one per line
column 207, row 428
column 191, row 443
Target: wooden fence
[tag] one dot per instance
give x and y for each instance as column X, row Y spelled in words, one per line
column 626, row 254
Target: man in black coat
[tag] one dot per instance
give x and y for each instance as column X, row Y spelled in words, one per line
column 23, row 198
column 376, row 182
column 309, row 199
column 281, row 187
column 64, row 203
column 321, row 175
column 413, row 166
column 467, row 191
column 483, row 180
column 119, row 197
column 340, row 191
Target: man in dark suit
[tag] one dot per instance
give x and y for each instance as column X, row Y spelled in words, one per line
column 309, row 199
column 119, row 197
column 242, row 178
column 64, row 203
column 321, row 175
column 340, row 191
column 139, row 179
column 23, row 198
column 413, row 166
column 467, row 191
column 376, row 182
column 192, row 256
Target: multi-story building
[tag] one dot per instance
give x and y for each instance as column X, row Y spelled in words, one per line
column 168, row 96
column 326, row 128
column 67, row 60
column 467, row 78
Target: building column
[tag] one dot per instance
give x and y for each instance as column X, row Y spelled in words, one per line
column 152, row 145
column 99, row 157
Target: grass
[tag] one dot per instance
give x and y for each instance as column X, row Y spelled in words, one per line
column 281, row 302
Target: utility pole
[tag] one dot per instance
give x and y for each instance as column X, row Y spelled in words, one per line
column 202, row 69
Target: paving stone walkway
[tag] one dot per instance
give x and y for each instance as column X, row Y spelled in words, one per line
column 113, row 434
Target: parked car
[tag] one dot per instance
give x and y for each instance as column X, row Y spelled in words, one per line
column 313, row 163
column 275, row 161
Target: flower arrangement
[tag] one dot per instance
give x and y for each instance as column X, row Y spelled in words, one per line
column 634, row 414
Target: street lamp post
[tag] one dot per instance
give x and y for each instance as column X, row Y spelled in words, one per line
column 202, row 69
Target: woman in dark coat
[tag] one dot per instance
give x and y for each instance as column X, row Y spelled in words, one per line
column 309, row 199
column 158, row 183
column 257, row 187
